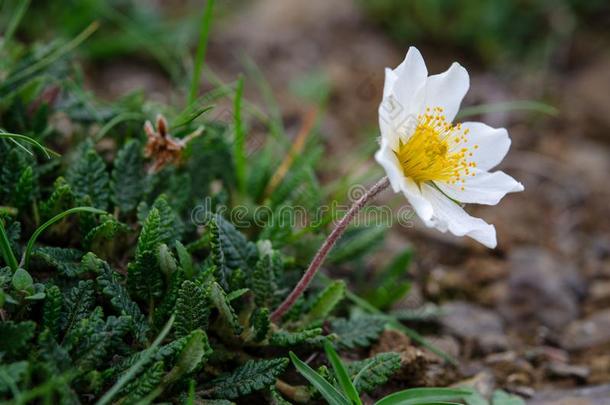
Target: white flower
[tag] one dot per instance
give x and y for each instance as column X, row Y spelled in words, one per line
column 436, row 164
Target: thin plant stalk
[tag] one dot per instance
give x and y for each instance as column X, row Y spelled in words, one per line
column 7, row 252
column 206, row 22
column 328, row 244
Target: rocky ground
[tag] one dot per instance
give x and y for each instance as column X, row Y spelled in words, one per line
column 532, row 316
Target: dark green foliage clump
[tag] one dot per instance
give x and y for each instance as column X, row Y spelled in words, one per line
column 142, row 295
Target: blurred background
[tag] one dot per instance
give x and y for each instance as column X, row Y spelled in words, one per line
column 533, row 313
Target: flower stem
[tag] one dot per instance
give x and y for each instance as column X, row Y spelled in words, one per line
column 328, row 244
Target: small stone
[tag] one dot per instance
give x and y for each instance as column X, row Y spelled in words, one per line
column 595, row 395
column 563, row 370
column 474, row 324
column 588, row 333
column 543, row 290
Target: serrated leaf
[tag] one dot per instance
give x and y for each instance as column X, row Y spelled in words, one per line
column 371, row 373
column 359, row 331
column 357, row 242
column 77, row 304
column 112, row 287
column 284, row 338
column 254, row 375
column 62, row 199
column 239, row 253
column 192, row 309
column 66, row 261
column 325, row 302
column 127, row 183
column 143, row 275
column 51, row 315
column 219, row 298
column 89, row 178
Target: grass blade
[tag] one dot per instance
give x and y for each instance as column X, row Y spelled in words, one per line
column 22, row 6
column 341, row 373
column 419, row 396
column 133, row 370
column 7, row 252
column 330, row 393
column 25, row 260
column 239, row 144
column 206, row 22
column 15, row 137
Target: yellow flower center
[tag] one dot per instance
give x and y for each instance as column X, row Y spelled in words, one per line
column 436, row 151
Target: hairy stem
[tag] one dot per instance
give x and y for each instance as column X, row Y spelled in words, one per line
column 328, row 244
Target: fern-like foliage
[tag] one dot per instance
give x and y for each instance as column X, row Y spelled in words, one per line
column 254, row 375
column 77, row 303
column 144, row 384
column 126, row 184
column 312, row 337
column 325, row 302
column 144, row 276
column 359, row 331
column 374, row 372
column 52, row 309
column 264, row 279
column 65, row 260
column 112, row 287
column 62, row 199
column 89, row 178
column 219, row 299
column 192, row 309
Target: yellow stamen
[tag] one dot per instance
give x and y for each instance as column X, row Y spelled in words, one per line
column 429, row 154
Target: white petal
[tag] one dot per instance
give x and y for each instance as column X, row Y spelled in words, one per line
column 450, row 216
column 492, row 144
column 482, row 188
column 411, row 75
column 447, row 90
column 421, row 205
column 387, row 159
column 399, row 106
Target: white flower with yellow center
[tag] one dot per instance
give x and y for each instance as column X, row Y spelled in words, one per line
column 436, row 164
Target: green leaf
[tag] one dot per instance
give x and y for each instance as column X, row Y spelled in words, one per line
column 66, row 261
column 127, row 183
column 356, row 243
column 192, row 309
column 30, row 246
column 254, row 375
column 15, row 336
column 25, row 189
column 359, row 331
column 325, row 302
column 341, row 374
column 77, row 304
column 143, row 275
column 144, row 384
column 52, row 309
column 371, row 373
column 219, row 298
column 22, row 280
column 11, row 375
column 264, row 279
column 196, row 350
column 170, row 225
column 284, row 338
column 104, row 234
column 62, row 199
column 239, row 253
column 88, row 177
column 260, row 324
column 390, row 283
column 330, row 393
column 111, row 285
column 500, row 397
column 416, row 396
